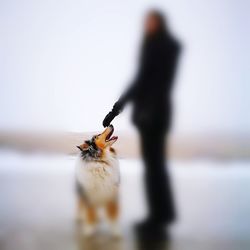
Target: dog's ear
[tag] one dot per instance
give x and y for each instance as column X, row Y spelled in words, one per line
column 84, row 146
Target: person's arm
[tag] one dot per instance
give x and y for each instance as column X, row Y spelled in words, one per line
column 143, row 73
column 132, row 91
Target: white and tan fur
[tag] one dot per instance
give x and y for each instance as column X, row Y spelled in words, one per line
column 98, row 177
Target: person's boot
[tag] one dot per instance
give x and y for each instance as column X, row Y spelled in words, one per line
column 150, row 229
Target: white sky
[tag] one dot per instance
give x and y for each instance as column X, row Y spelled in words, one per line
column 64, row 63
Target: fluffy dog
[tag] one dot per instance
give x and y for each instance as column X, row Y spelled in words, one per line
column 98, row 179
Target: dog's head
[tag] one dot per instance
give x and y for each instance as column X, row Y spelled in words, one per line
column 99, row 143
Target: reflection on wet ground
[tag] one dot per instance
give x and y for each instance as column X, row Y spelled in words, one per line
column 38, row 206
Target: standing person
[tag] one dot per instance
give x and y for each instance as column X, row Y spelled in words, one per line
column 150, row 94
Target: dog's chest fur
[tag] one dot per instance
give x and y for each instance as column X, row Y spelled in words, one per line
column 99, row 180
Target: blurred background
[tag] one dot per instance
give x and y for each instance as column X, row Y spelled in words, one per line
column 62, row 66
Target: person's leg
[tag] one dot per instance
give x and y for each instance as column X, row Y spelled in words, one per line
column 157, row 182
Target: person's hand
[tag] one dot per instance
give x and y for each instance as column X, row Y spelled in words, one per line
column 116, row 110
column 108, row 119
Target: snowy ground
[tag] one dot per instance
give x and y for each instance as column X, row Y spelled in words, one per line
column 38, row 203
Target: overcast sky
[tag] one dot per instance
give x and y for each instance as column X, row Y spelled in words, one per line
column 64, row 63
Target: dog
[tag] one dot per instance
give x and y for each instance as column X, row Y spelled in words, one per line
column 98, row 180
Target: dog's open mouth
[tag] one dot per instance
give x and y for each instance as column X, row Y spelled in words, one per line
column 108, row 137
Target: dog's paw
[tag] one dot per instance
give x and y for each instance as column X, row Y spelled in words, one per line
column 116, row 231
column 79, row 218
column 89, row 230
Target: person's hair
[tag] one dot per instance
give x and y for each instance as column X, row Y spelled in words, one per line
column 161, row 19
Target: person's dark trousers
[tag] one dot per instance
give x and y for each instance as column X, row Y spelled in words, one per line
column 157, row 182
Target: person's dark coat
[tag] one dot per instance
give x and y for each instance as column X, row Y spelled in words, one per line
column 151, row 89
column 150, row 94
